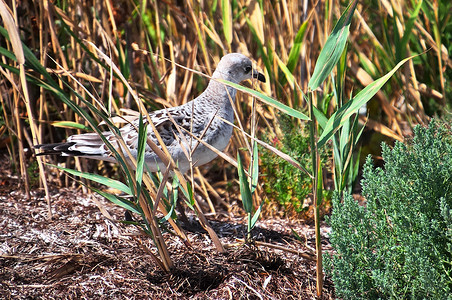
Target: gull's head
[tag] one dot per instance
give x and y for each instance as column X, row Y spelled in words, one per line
column 236, row 67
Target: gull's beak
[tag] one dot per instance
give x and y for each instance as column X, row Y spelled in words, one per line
column 259, row 76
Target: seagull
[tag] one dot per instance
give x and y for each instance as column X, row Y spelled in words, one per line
column 203, row 118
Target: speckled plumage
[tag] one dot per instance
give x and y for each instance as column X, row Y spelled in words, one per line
column 208, row 108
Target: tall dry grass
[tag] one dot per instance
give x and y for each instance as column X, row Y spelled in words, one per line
column 148, row 40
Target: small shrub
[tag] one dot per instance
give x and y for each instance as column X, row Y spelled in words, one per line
column 400, row 244
column 283, row 183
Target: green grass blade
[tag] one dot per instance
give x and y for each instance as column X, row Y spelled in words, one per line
column 332, row 51
column 71, row 125
column 4, row 52
column 115, row 184
column 255, row 168
column 174, row 198
column 170, row 214
column 256, row 216
column 288, row 74
column 123, row 59
column 189, row 194
column 247, row 200
column 358, row 132
column 344, row 139
column 141, row 153
column 351, row 107
column 401, row 46
column 226, row 12
column 337, row 165
column 172, row 205
column 320, row 116
column 119, row 201
column 267, row 100
column 294, row 54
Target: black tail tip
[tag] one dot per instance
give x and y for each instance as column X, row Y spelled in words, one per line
column 57, row 148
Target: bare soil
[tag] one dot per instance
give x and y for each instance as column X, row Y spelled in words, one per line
column 80, row 254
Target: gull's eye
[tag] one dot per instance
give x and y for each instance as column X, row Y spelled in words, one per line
column 247, row 69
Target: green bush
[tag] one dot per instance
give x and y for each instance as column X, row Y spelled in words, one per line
column 399, row 245
column 283, row 183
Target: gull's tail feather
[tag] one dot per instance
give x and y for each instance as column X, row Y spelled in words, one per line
column 57, row 148
column 87, row 144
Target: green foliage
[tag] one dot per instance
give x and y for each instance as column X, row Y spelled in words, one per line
column 345, row 112
column 33, row 173
column 284, row 183
column 332, row 51
column 400, row 244
column 346, row 150
column 247, row 189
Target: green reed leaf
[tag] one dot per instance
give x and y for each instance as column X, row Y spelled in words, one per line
column 332, row 51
